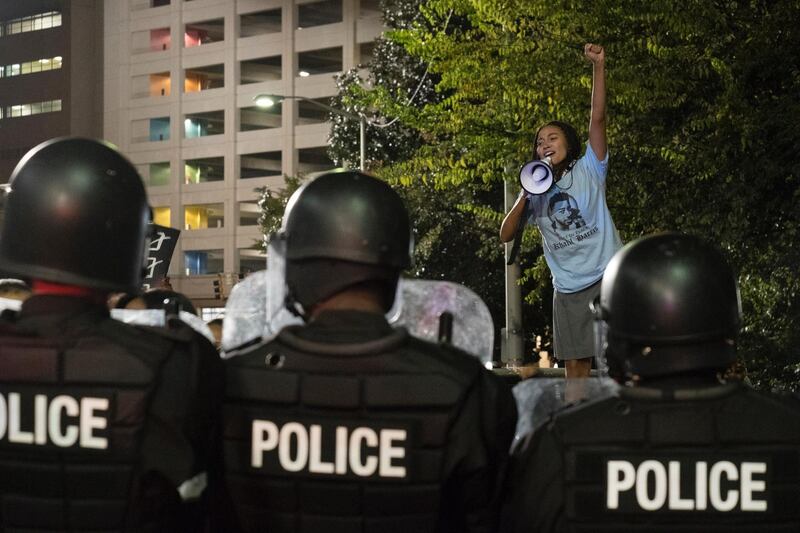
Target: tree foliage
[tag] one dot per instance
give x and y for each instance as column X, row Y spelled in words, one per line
column 272, row 204
column 702, row 124
column 455, row 234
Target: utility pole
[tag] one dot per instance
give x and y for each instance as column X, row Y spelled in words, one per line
column 511, row 341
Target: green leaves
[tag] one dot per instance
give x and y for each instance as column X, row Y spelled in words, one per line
column 702, row 125
column 272, row 204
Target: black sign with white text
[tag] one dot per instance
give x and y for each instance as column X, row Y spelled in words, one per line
column 159, row 255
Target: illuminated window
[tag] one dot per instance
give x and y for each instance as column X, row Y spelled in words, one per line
column 210, row 313
column 205, row 32
column 160, row 39
column 152, row 40
column 31, row 67
column 159, row 84
column 159, row 129
column 204, row 124
column 199, row 262
column 204, row 216
column 203, row 78
column 204, row 170
column 38, row 22
column 151, row 85
column 150, row 129
column 161, row 216
column 155, row 174
column 36, row 108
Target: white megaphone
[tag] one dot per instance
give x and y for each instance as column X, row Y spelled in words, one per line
column 536, row 177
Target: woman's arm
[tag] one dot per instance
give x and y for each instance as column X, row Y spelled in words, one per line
column 597, row 120
column 509, row 226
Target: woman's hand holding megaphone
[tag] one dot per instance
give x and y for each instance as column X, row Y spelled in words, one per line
column 536, row 177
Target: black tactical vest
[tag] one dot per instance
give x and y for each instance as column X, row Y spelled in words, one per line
column 343, row 437
column 719, row 459
column 73, row 417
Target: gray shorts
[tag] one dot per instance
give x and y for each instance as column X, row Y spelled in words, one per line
column 573, row 323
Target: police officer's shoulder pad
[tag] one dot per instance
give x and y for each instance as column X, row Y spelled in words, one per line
column 269, row 353
column 181, row 333
column 460, row 365
column 136, row 335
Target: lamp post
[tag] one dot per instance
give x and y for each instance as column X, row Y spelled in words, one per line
column 269, row 100
column 512, row 343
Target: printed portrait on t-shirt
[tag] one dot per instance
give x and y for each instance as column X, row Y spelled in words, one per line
column 563, row 212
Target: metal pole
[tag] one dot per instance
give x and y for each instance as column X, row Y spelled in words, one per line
column 362, row 121
column 512, row 349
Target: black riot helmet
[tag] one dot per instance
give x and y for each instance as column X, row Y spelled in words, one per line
column 669, row 304
column 76, row 213
column 342, row 229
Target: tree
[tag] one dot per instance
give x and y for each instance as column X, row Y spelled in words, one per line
column 272, row 204
column 702, row 128
column 455, row 239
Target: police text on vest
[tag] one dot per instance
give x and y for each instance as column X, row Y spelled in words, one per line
column 361, row 451
column 63, row 421
column 718, row 486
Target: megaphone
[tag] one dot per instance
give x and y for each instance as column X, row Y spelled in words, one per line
column 536, row 177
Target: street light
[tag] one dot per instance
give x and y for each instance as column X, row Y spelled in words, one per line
column 268, row 100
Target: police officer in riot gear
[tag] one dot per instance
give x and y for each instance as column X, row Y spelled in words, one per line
column 344, row 423
column 103, row 426
column 677, row 449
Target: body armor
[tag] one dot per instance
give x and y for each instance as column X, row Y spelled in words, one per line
column 378, row 435
column 100, row 423
column 723, row 458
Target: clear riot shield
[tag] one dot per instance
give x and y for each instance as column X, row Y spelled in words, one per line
column 255, row 309
column 245, row 312
column 197, row 324
column 158, row 318
column 421, row 302
column 253, row 314
column 538, row 398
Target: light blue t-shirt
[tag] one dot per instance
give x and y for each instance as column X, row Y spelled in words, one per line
column 578, row 234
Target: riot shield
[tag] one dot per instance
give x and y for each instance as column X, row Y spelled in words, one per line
column 197, row 324
column 247, row 317
column 158, row 318
column 252, row 314
column 538, row 398
column 422, row 302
